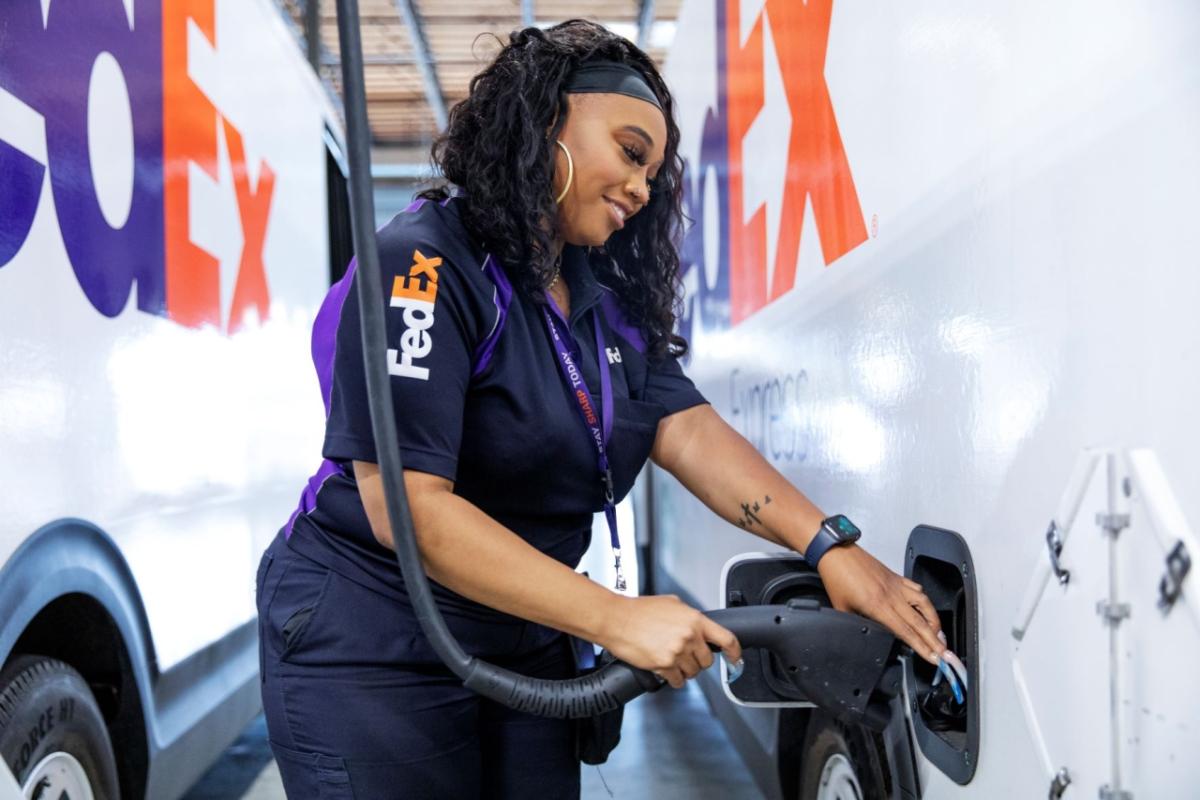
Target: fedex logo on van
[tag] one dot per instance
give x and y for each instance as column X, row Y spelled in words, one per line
column 416, row 293
column 96, row 98
column 763, row 150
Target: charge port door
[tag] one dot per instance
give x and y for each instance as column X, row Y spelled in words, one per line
column 946, row 732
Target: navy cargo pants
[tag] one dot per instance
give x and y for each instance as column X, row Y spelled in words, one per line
column 356, row 708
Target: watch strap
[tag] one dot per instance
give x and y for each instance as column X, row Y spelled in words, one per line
column 827, row 538
column 819, row 546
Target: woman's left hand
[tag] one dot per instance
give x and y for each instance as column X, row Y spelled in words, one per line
column 857, row 582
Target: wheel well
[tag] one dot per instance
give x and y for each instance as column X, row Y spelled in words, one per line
column 865, row 746
column 94, row 646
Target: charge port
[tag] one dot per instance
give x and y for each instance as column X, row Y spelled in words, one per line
column 946, row 731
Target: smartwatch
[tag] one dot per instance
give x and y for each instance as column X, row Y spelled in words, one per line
column 835, row 530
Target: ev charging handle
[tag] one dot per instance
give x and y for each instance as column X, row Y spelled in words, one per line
column 804, row 635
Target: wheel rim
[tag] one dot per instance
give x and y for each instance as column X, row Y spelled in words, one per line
column 58, row 775
column 838, row 780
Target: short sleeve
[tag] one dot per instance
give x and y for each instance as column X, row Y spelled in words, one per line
column 667, row 385
column 432, row 319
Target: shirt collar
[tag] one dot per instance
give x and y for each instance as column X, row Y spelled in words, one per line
column 585, row 289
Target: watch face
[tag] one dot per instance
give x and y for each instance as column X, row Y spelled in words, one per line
column 842, row 525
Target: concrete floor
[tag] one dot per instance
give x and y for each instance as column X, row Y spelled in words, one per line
column 671, row 746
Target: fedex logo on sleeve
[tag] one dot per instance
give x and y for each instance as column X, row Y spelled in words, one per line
column 416, row 293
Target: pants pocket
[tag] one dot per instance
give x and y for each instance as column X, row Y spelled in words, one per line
column 295, row 626
column 295, row 606
column 313, row 775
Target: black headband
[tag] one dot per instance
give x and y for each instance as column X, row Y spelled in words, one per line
column 611, row 76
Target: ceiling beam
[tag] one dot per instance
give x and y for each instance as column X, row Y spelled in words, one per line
column 645, row 22
column 381, row 60
column 425, row 62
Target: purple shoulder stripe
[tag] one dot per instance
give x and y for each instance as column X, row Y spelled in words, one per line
column 502, row 297
column 619, row 322
column 324, row 335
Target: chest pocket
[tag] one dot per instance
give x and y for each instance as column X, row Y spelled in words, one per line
column 635, row 424
column 633, row 366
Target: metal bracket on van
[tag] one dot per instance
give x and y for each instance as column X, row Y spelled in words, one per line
column 1060, row 783
column 1112, row 523
column 1107, row 793
column 1055, row 545
column 1179, row 564
column 1113, row 612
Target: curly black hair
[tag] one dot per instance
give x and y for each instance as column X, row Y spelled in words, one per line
column 495, row 148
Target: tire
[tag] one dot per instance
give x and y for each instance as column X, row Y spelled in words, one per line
column 838, row 763
column 52, row 734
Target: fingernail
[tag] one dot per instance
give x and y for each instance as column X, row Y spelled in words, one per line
column 957, row 665
column 945, row 669
column 942, row 637
column 934, row 657
column 735, row 669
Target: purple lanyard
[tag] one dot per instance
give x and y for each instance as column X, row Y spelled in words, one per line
column 600, row 427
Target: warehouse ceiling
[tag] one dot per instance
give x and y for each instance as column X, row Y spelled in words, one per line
column 420, row 55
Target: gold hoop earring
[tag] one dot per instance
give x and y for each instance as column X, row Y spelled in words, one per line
column 570, row 172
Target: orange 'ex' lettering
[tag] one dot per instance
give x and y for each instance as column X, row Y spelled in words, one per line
column 410, row 286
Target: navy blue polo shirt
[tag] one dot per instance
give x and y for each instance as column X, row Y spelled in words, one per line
column 478, row 398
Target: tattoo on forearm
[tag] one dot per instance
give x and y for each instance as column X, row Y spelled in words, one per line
column 750, row 513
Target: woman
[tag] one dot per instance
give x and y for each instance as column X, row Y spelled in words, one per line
column 533, row 371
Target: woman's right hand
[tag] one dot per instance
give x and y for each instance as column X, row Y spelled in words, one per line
column 662, row 634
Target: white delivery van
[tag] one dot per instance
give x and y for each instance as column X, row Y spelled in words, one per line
column 943, row 274
column 169, row 174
